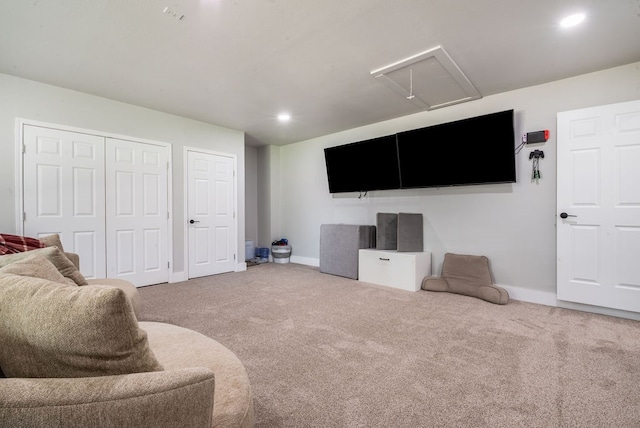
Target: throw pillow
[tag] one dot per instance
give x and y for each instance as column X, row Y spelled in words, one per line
column 37, row 267
column 52, row 241
column 55, row 256
column 52, row 330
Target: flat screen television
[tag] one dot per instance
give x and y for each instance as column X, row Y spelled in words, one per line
column 363, row 166
column 477, row 150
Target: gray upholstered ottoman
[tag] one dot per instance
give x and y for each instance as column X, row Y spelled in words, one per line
column 339, row 246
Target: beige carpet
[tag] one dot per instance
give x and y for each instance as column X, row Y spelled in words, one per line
column 326, row 351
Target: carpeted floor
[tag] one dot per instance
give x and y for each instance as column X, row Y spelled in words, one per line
column 326, row 351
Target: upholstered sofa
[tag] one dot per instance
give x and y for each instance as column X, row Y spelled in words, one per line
column 76, row 356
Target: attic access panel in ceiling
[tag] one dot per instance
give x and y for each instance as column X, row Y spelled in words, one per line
column 429, row 80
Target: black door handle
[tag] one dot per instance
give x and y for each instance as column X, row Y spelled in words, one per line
column 194, row 221
column 565, row 215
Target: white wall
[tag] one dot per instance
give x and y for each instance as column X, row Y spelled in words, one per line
column 512, row 224
column 269, row 195
column 251, row 194
column 36, row 101
column 264, row 196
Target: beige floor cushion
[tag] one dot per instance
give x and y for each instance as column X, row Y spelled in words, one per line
column 468, row 275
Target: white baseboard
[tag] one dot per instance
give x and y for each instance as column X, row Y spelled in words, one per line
column 241, row 267
column 309, row 261
column 532, row 296
column 549, row 299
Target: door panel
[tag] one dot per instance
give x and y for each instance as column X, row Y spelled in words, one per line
column 137, row 212
column 211, row 206
column 598, row 176
column 63, row 192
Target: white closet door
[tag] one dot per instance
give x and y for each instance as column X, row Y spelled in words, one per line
column 137, row 214
column 63, row 192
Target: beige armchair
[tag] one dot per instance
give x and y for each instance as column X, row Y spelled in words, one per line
column 77, row 356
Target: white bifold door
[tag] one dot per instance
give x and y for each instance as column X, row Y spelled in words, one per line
column 598, row 227
column 64, row 192
column 107, row 198
column 137, row 212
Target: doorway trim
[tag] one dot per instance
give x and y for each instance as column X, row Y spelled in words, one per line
column 185, row 192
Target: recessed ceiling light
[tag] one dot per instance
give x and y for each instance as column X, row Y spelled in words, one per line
column 572, row 20
column 284, row 117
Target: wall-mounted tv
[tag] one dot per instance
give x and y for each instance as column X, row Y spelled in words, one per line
column 477, row 150
column 363, row 166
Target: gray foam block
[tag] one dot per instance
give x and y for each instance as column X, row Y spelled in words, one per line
column 410, row 235
column 387, row 231
column 339, row 247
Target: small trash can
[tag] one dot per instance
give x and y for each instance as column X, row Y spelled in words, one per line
column 281, row 253
column 249, row 250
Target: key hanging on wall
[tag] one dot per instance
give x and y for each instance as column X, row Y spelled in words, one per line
column 536, row 155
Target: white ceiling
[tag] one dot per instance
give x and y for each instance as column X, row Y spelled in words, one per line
column 238, row 63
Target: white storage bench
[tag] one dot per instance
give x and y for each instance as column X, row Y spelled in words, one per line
column 403, row 270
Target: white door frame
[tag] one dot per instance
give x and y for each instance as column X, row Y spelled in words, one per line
column 19, row 200
column 185, row 226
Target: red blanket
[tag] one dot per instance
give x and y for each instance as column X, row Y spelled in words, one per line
column 10, row 244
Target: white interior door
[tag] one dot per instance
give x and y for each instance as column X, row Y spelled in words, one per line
column 598, row 242
column 137, row 212
column 212, row 230
column 63, row 192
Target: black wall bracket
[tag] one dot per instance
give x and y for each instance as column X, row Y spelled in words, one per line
column 536, row 154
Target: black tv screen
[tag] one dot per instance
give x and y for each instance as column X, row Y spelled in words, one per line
column 477, row 150
column 363, row 166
